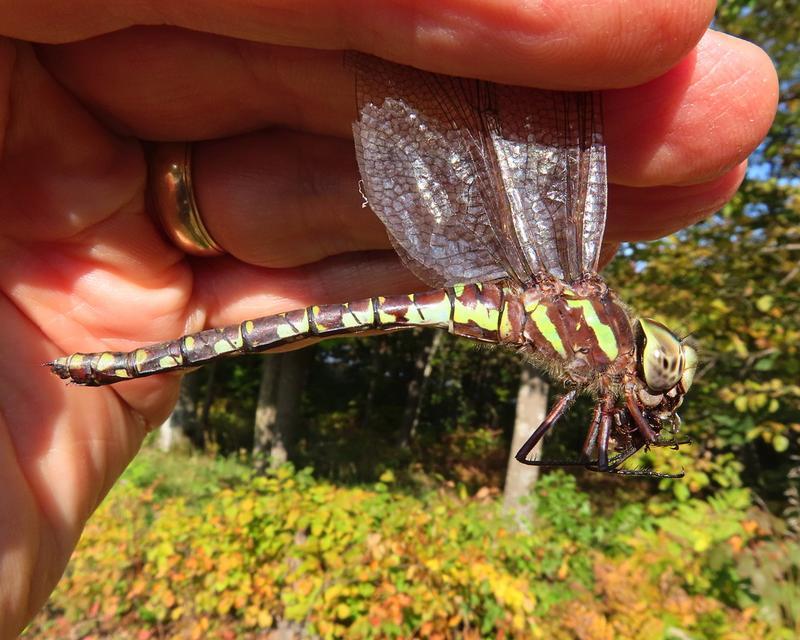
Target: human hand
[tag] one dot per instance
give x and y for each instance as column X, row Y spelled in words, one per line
column 85, row 268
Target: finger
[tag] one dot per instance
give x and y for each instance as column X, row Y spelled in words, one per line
column 607, row 252
column 284, row 199
column 60, row 171
column 696, row 122
column 59, row 455
column 228, row 290
column 650, row 213
column 557, row 44
column 690, row 125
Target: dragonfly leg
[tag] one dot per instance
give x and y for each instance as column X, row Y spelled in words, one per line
column 602, row 441
column 616, row 461
column 646, row 473
column 558, row 410
column 620, row 458
column 636, row 414
column 673, row 443
column 590, row 443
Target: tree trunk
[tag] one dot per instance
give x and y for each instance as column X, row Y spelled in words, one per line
column 266, row 410
column 182, row 422
column 418, row 389
column 531, row 411
column 294, row 373
column 282, row 381
column 205, row 412
column 374, row 371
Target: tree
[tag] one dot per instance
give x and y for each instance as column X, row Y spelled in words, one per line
column 531, row 411
column 417, row 389
column 181, row 422
column 282, row 381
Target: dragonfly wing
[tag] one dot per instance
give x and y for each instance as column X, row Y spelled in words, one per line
column 552, row 159
column 417, row 149
column 479, row 181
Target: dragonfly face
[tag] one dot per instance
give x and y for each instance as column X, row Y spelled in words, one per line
column 665, row 371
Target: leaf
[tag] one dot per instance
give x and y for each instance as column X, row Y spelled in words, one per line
column 780, row 442
column 764, row 303
column 343, row 611
column 765, row 364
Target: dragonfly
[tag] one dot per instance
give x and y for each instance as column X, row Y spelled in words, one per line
column 495, row 196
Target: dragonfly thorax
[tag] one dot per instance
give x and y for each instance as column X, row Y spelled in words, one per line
column 581, row 332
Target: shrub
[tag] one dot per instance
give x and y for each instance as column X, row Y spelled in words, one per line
column 377, row 561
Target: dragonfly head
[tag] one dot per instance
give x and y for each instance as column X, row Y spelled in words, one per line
column 665, row 367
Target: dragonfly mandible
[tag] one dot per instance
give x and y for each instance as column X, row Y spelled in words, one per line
column 495, row 196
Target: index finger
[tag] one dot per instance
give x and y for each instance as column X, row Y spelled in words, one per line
column 555, row 44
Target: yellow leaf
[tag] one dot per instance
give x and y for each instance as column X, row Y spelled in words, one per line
column 701, row 544
column 764, row 303
column 264, row 619
column 342, row 611
column 780, row 443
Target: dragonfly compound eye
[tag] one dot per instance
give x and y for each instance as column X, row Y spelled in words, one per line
column 689, row 366
column 660, row 356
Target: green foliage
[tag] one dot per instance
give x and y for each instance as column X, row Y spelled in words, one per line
column 374, row 561
column 773, row 574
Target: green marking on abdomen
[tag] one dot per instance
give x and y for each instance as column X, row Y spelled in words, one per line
column 438, row 313
column 317, row 326
column 105, row 362
column 226, row 345
column 482, row 315
column 139, row 358
column 604, row 334
column 170, row 362
column 287, row 329
column 353, row 319
column 383, row 317
column 548, row 330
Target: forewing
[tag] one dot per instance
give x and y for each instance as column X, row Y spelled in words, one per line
column 478, row 181
column 419, row 147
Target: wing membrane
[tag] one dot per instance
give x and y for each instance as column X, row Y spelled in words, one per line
column 552, row 158
column 478, row 181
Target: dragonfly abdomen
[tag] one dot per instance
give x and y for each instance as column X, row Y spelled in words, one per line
column 472, row 311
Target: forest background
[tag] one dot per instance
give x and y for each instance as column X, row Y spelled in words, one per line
column 362, row 487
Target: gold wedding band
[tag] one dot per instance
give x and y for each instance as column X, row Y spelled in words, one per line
column 172, row 195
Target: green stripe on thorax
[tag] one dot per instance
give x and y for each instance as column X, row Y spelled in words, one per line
column 538, row 313
column 604, row 334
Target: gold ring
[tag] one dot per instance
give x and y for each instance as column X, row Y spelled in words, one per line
column 172, row 195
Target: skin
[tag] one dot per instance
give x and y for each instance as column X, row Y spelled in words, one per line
column 83, row 267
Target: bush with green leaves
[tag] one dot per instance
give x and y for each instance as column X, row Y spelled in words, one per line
column 208, row 548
